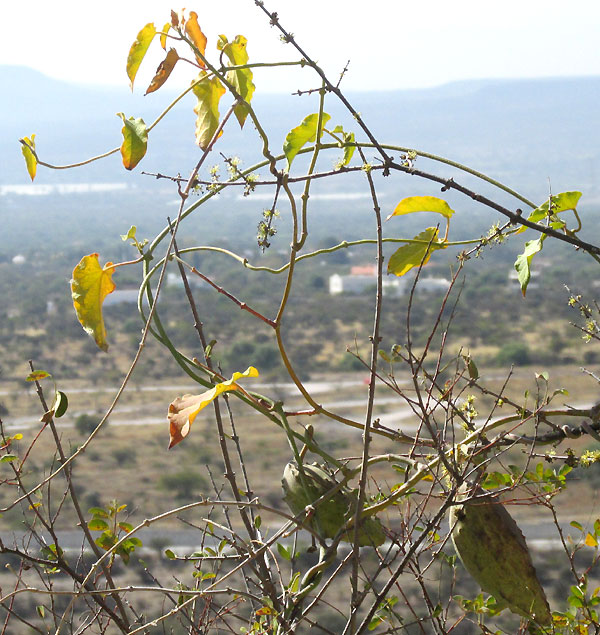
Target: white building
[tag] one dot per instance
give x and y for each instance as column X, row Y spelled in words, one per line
column 364, row 279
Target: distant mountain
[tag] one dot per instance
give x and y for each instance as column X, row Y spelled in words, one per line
column 531, row 133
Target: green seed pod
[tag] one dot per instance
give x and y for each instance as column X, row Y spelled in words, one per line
column 493, row 550
column 331, row 515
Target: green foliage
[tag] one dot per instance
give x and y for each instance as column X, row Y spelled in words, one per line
column 85, row 424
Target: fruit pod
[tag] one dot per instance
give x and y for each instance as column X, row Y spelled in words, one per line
column 330, row 515
column 493, row 550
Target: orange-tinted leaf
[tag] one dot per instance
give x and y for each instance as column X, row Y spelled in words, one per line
column 27, row 145
column 242, row 78
column 209, row 92
column 138, row 50
column 37, row 375
column 91, row 283
column 183, row 410
column 194, row 32
column 163, row 71
column 163, row 35
column 174, row 19
column 135, row 141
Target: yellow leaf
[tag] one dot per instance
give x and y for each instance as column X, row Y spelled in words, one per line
column 138, row 50
column 416, row 253
column 27, row 145
column 590, row 541
column 242, row 78
column 422, row 204
column 183, row 410
column 91, row 283
column 135, row 141
column 163, row 35
column 194, row 32
column 163, row 71
column 208, row 92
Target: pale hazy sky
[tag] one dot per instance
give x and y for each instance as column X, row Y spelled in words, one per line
column 391, row 43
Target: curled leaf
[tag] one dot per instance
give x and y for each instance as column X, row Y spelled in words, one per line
column 163, row 35
column 163, row 71
column 90, row 285
column 302, row 134
column 493, row 550
column 61, row 403
column 208, row 91
column 183, row 410
column 417, row 253
column 194, row 32
column 422, row 204
column 138, row 50
column 27, row 145
column 523, row 261
column 241, row 78
column 135, row 141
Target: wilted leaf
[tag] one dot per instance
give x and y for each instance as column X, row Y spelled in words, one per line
column 413, row 254
column 30, row 160
column 414, row 204
column 37, row 375
column 493, row 550
column 163, row 71
column 89, row 286
column 302, row 134
column 194, row 32
column 209, row 92
column 135, row 141
column 560, row 203
column 163, row 35
column 523, row 261
column 242, row 78
column 138, row 50
column 183, row 410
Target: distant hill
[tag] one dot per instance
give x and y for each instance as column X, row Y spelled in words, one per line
column 534, row 134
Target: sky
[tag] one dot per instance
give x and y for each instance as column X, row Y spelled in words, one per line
column 391, row 44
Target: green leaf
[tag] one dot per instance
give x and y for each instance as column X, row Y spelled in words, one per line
column 135, row 141
column 560, row 203
column 414, row 204
column 98, row 511
column 41, row 611
column 283, row 552
column 8, row 458
column 138, row 50
column 349, row 148
column 208, row 91
column 523, row 261
column 169, row 554
column 240, row 79
column 89, row 286
column 130, row 235
column 415, row 254
column 97, row 524
column 37, row 375
column 27, row 145
column 61, row 403
column 302, row 134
